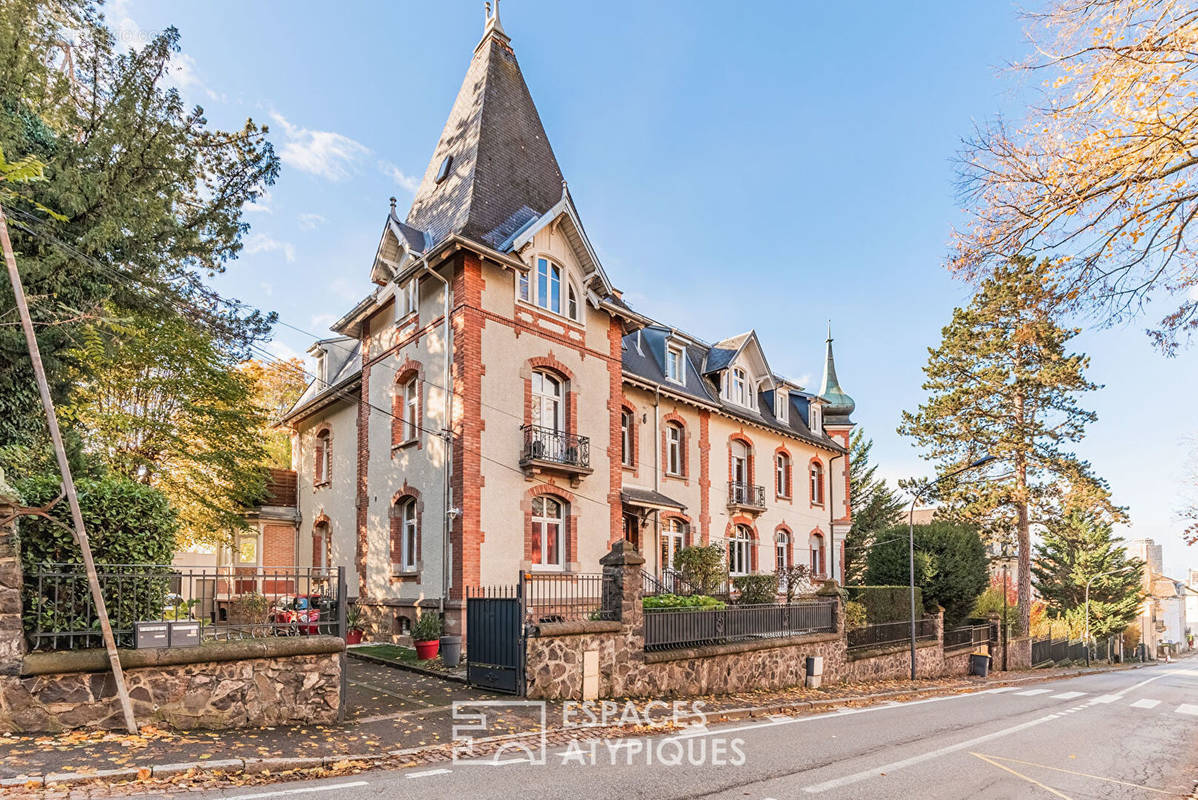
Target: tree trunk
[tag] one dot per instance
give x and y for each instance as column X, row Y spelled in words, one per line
column 1024, row 538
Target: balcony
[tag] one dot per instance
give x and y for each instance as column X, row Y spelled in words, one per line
column 548, row 450
column 746, row 497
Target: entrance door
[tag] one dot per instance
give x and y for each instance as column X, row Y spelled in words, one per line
column 632, row 529
column 672, row 540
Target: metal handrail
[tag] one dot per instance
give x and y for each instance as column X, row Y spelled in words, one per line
column 746, row 494
column 558, row 447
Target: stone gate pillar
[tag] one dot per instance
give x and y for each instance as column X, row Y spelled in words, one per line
column 12, row 640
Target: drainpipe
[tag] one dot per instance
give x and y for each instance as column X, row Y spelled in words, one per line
column 657, row 473
column 831, row 517
column 446, row 432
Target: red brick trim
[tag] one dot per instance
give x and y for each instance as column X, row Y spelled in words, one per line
column 783, row 528
column 569, row 520
column 817, row 501
column 363, row 494
column 406, row 371
column 730, row 528
column 323, row 519
column 398, row 573
column 704, row 476
column 615, row 388
column 788, row 494
column 467, row 321
column 688, row 535
column 675, row 419
column 818, row 570
column 743, row 438
column 551, row 364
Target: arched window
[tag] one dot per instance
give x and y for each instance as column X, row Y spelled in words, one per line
column 740, row 551
column 673, row 539
column 782, row 475
column 549, row 285
column 547, row 539
column 320, row 545
column 324, row 458
column 547, row 401
column 572, row 303
column 739, row 490
column 817, row 483
column 817, row 554
column 675, row 450
column 410, row 408
column 738, row 387
column 627, row 454
column 404, row 535
column 782, row 552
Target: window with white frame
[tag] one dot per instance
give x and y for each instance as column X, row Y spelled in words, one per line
column 627, row 456
column 322, row 369
column 675, row 364
column 320, row 545
column 673, row 539
column 817, row 483
column 572, row 303
column 675, row 460
column 323, row 459
column 739, row 390
column 522, row 287
column 782, row 552
column 782, row 475
column 407, row 301
column 411, row 409
column 547, row 540
column 547, row 401
column 782, row 406
column 407, row 524
column 817, row 554
column 740, row 551
column 816, row 419
column 549, row 285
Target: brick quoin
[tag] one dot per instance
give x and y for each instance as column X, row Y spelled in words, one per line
column 467, row 320
column 363, row 499
column 705, row 476
column 615, row 391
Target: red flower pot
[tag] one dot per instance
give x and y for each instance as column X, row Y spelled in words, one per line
column 427, row 650
column 353, row 637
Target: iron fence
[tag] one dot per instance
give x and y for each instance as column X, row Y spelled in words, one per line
column 564, row 597
column 967, row 636
column 746, row 494
column 558, row 447
column 227, row 602
column 883, row 633
column 667, row 629
column 1048, row 650
column 669, row 582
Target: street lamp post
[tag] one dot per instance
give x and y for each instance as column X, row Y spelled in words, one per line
column 911, row 539
column 1092, row 579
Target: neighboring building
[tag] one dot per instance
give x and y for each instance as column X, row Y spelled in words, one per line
column 1163, row 619
column 1192, row 605
column 575, row 420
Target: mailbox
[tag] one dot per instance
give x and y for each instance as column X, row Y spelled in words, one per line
column 151, row 634
column 184, row 634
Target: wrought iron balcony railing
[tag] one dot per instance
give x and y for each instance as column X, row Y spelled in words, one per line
column 746, row 494
column 555, row 447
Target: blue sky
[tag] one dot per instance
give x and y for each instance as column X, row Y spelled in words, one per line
column 763, row 165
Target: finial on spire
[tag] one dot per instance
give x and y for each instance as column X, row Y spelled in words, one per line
column 829, row 330
column 392, row 204
column 491, row 24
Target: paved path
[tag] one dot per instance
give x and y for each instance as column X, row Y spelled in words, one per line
column 1130, row 734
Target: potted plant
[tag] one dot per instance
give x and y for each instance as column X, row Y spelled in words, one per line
column 353, row 624
column 426, row 635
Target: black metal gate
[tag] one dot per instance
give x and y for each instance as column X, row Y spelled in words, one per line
column 495, row 641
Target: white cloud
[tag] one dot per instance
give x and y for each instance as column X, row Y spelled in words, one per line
column 267, row 288
column 323, row 153
column 261, row 243
column 261, row 205
column 309, row 222
column 393, row 172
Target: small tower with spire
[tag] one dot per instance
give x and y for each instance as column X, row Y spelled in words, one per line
column 839, row 405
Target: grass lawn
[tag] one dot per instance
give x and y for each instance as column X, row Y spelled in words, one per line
column 404, row 655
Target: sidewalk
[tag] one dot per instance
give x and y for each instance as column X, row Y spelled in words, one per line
column 396, row 716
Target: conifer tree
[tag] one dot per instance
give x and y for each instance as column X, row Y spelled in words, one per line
column 1077, row 548
column 874, row 506
column 1003, row 383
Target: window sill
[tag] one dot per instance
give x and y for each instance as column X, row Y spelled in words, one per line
column 403, row 445
column 411, row 316
column 549, row 312
column 676, row 475
column 322, row 485
column 628, row 468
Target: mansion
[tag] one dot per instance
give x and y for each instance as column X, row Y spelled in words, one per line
column 494, row 407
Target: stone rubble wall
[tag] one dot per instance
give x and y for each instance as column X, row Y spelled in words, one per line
column 554, row 654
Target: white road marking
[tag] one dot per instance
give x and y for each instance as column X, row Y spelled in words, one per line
column 426, row 773
column 1187, row 708
column 1107, row 698
column 1067, row 695
column 836, row 783
column 1030, row 692
column 1146, row 703
column 999, row 690
column 304, row 790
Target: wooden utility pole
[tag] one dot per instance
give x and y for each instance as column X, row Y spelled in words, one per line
column 68, row 483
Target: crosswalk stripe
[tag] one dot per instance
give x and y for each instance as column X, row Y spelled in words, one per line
column 1031, row 692
column 1187, row 708
column 1146, row 703
column 1067, row 695
column 1106, row 698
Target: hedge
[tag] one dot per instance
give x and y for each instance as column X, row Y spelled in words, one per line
column 886, row 603
column 664, row 602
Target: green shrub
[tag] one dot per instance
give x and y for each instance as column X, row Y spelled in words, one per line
column 950, row 565
column 886, row 603
column 127, row 523
column 702, row 567
column 250, row 607
column 427, row 627
column 662, row 602
column 756, row 589
column 854, row 615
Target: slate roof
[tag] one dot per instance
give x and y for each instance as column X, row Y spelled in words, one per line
column 503, row 173
column 343, row 365
column 644, row 358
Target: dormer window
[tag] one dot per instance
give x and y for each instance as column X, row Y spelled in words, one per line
column 322, row 369
column 782, row 406
column 675, row 364
column 739, row 390
column 549, row 285
column 816, row 419
column 407, row 300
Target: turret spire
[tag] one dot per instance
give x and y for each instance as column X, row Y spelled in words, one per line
column 839, row 403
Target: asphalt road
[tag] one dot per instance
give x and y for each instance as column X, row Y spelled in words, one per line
column 1128, row 734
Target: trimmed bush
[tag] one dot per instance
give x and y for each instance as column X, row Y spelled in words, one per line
column 756, row 589
column 665, row 602
column 702, row 567
column 854, row 615
column 886, row 603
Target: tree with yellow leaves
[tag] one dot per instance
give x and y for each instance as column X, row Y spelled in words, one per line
column 1102, row 176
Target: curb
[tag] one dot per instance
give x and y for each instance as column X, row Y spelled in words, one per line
column 386, row 662
column 243, row 765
